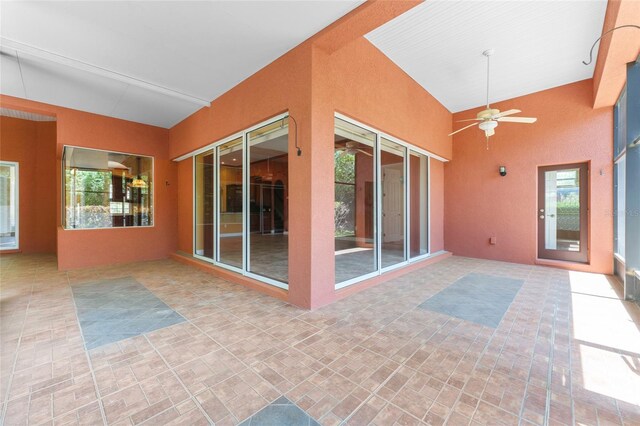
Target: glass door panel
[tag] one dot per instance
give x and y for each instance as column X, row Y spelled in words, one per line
column 204, row 206
column 562, row 212
column 9, row 226
column 355, row 201
column 230, row 160
column 392, row 161
column 268, row 246
column 419, row 204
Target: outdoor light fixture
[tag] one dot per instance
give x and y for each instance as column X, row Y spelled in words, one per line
column 503, row 171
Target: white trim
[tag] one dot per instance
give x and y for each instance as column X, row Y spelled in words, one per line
column 231, row 137
column 355, row 280
column 63, row 213
column 618, row 257
column 429, row 192
column 267, row 280
column 16, row 188
column 36, row 52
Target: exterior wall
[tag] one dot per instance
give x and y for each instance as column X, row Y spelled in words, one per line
column 33, row 145
column 83, row 248
column 480, row 203
column 312, row 85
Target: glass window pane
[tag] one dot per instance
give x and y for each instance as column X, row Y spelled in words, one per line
column 230, row 228
column 419, row 208
column 355, row 250
column 562, row 210
column 620, row 205
column 268, row 200
column 107, row 189
column 204, row 216
column 392, row 163
column 8, row 206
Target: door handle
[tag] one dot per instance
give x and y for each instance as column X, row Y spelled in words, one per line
column 552, row 215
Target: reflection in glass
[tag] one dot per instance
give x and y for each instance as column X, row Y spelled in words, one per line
column 355, row 201
column 8, row 206
column 268, row 200
column 393, row 201
column 562, row 210
column 204, row 204
column 230, row 228
column 107, row 189
column 621, row 187
column 419, row 204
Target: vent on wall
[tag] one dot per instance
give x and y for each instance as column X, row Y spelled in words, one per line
column 23, row 115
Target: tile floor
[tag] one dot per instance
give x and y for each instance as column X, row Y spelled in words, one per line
column 567, row 351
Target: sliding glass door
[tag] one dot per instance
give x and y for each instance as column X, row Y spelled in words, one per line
column 392, row 160
column 204, row 208
column 355, row 201
column 230, row 203
column 419, row 204
column 241, row 203
column 381, row 211
column 268, row 247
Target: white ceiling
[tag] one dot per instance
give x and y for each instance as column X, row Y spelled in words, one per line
column 538, row 45
column 197, row 48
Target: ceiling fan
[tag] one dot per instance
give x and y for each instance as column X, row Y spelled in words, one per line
column 488, row 119
column 350, row 147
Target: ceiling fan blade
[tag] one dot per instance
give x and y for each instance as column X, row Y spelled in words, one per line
column 470, row 119
column 517, row 120
column 365, row 152
column 459, row 130
column 505, row 113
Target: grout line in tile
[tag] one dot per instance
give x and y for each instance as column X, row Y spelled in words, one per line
column 88, row 357
column 15, row 360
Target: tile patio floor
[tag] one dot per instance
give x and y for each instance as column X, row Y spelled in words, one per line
column 566, row 352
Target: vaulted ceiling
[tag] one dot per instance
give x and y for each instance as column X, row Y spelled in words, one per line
column 538, row 45
column 153, row 62
column 157, row 62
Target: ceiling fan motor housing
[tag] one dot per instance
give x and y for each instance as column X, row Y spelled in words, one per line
column 486, row 114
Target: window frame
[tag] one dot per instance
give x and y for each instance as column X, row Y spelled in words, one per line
column 63, row 189
column 378, row 216
column 244, row 134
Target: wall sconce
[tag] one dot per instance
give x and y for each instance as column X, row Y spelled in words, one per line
column 503, row 171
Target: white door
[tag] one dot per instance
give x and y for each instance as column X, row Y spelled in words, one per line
column 392, row 204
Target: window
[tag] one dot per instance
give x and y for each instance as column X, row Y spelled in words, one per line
column 204, row 209
column 106, row 189
column 9, row 227
column 241, row 214
column 381, row 209
column 355, row 202
column 619, row 178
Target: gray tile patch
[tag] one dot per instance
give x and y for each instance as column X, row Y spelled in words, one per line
column 114, row 310
column 483, row 299
column 280, row 412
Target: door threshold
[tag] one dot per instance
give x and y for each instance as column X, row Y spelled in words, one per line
column 565, row 264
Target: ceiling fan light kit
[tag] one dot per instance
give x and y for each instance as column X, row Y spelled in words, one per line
column 488, row 119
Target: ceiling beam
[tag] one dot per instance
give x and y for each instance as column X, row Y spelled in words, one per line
column 10, row 47
column 360, row 21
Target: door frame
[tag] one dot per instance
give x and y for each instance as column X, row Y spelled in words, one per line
column 581, row 256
